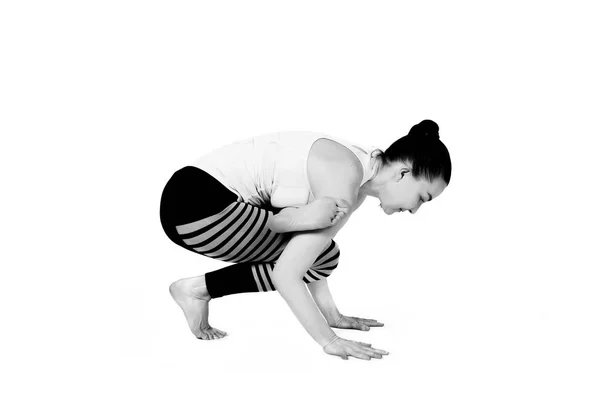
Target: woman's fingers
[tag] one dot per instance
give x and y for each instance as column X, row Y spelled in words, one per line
column 359, row 326
column 361, row 356
column 362, row 319
column 367, row 321
column 342, row 210
column 340, row 214
column 371, row 323
column 357, row 323
column 376, row 353
column 345, row 348
column 366, row 353
column 348, row 323
column 358, row 352
column 338, row 217
column 361, row 347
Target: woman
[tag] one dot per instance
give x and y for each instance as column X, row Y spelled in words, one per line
column 273, row 203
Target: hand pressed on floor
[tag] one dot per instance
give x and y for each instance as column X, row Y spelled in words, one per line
column 345, row 348
column 356, row 323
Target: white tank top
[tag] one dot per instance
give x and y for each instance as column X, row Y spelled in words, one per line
column 270, row 170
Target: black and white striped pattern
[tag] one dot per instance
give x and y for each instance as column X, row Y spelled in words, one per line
column 239, row 234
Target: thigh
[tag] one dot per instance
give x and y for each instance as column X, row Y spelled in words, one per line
column 200, row 214
column 236, row 234
column 192, row 193
column 239, row 234
column 219, row 226
column 189, row 195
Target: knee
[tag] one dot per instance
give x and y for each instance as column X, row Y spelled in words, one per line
column 328, row 260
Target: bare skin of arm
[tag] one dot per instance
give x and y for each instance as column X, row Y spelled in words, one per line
column 324, row 300
column 320, row 289
column 297, row 257
column 302, row 218
column 321, row 213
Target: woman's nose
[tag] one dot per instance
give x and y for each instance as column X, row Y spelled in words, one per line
column 414, row 210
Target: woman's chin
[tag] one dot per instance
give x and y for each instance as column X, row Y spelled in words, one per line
column 387, row 211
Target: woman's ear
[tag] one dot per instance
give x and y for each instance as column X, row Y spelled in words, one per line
column 402, row 172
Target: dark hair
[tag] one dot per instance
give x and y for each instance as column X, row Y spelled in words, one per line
column 424, row 150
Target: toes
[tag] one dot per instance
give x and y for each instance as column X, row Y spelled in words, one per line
column 219, row 333
column 211, row 334
column 223, row 333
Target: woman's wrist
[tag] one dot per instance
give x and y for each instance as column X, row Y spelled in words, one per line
column 333, row 319
column 331, row 340
column 274, row 223
column 298, row 223
column 286, row 221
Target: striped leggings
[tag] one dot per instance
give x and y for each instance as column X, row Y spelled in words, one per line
column 200, row 214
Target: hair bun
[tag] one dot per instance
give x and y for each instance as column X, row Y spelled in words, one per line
column 426, row 129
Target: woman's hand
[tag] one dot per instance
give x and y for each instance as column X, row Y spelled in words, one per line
column 344, row 348
column 355, row 323
column 321, row 213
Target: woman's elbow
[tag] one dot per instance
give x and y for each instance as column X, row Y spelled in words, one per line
column 284, row 280
column 274, row 224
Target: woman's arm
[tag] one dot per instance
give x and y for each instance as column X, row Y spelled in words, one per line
column 283, row 221
column 324, row 300
column 321, row 213
column 303, row 249
column 320, row 289
column 297, row 257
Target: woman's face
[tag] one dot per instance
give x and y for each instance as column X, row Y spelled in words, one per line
column 402, row 192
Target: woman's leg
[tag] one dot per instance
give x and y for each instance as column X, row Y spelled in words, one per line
column 256, row 276
column 221, row 237
column 191, row 193
column 228, row 230
column 239, row 234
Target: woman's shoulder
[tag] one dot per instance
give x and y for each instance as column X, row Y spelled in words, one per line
column 333, row 168
column 327, row 155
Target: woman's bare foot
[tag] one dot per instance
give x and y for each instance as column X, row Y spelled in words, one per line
column 191, row 295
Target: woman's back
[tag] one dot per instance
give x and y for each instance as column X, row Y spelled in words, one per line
column 270, row 170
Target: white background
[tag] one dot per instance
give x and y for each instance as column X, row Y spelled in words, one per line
column 489, row 294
